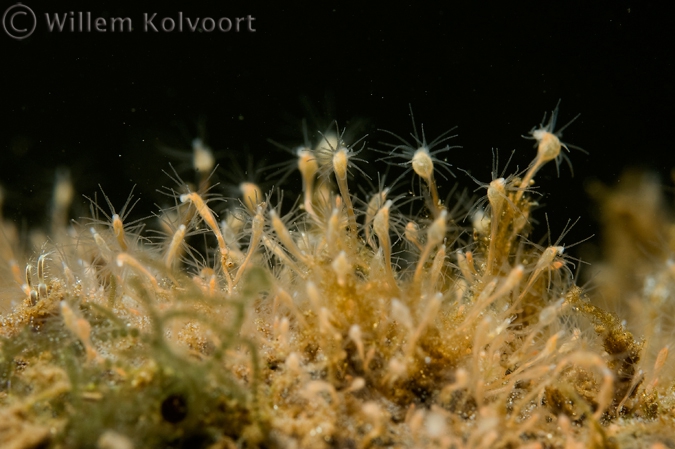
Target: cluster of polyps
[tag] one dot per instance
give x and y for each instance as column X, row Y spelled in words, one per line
column 373, row 326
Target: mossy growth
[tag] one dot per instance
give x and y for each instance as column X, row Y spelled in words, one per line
column 340, row 322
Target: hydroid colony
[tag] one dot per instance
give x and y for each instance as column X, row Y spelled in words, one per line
column 344, row 322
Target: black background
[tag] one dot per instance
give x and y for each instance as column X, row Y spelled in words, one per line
column 103, row 103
